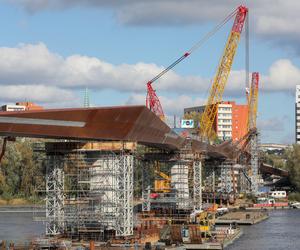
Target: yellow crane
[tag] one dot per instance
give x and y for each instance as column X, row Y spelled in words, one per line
column 162, row 185
column 252, row 101
column 216, row 92
column 253, row 145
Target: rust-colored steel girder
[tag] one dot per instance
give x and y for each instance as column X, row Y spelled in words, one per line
column 123, row 123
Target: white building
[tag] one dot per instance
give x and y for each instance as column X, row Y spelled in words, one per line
column 224, row 121
column 297, row 113
column 11, row 108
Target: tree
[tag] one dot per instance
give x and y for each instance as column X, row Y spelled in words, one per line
column 21, row 172
column 293, row 166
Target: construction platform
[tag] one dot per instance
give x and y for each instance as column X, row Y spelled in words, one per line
column 242, row 218
column 225, row 237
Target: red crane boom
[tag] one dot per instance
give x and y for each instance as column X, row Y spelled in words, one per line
column 152, row 100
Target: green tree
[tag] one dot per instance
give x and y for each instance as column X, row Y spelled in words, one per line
column 21, row 171
column 293, row 166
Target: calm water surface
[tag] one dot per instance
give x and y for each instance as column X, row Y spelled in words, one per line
column 280, row 232
column 18, row 226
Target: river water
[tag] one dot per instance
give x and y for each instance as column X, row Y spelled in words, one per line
column 280, row 232
column 17, row 225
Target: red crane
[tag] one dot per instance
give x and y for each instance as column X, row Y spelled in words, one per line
column 152, row 100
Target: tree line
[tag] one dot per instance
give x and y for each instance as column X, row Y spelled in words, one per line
column 23, row 171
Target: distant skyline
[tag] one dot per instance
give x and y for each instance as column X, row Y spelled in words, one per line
column 50, row 51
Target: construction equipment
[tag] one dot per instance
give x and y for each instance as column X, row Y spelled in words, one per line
column 152, row 100
column 208, row 117
column 153, row 103
column 252, row 101
column 162, row 185
column 254, row 161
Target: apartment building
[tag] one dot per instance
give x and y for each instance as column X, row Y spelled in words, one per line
column 20, row 106
column 231, row 119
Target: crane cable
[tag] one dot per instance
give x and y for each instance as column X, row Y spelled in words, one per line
column 195, row 46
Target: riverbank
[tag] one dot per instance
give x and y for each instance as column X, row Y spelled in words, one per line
column 17, row 202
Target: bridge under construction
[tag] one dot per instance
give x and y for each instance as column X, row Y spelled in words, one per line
column 91, row 165
column 121, row 174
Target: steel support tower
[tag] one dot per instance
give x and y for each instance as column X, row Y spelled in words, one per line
column 226, row 179
column 54, row 196
column 146, row 188
column 124, row 220
column 89, row 192
column 254, row 163
column 197, row 183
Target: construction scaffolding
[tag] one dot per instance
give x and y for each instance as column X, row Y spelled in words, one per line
column 254, row 162
column 89, row 191
column 173, row 191
column 197, row 167
column 54, row 196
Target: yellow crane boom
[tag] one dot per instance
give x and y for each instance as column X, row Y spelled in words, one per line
column 252, row 101
column 208, row 117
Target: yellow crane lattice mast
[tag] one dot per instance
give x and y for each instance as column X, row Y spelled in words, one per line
column 208, row 117
column 252, row 101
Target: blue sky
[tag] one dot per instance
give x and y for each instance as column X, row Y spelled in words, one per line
column 51, row 50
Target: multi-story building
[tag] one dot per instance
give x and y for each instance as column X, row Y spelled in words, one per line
column 11, row 108
column 20, row 106
column 297, row 114
column 230, row 122
column 30, row 105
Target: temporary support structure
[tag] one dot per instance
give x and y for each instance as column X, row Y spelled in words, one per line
column 89, row 192
column 146, row 187
column 180, row 182
column 197, row 166
column 226, row 179
column 54, row 196
column 254, row 162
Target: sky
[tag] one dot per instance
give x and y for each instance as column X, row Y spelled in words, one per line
column 51, row 50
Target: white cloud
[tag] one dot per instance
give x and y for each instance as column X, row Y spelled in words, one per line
column 273, row 19
column 283, row 75
column 34, row 64
column 35, row 93
column 275, row 129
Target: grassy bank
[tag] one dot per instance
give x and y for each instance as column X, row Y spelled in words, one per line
column 20, row 202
